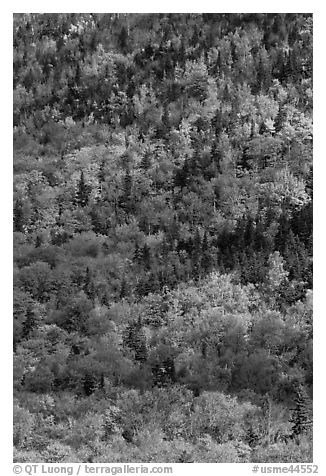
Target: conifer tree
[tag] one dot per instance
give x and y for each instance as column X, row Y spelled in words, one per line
column 137, row 254
column 279, row 120
column 182, row 175
column 83, row 191
column 136, row 341
column 145, row 161
column 101, row 172
column 123, row 39
column 126, row 201
column 165, row 121
column 29, row 323
column 88, row 284
column 38, row 241
column 19, row 216
column 146, row 256
column 89, row 384
column 196, row 255
column 206, row 260
column 302, row 414
column 102, row 381
column 216, row 156
column 123, row 288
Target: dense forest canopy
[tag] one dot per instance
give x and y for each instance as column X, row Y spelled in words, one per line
column 162, row 237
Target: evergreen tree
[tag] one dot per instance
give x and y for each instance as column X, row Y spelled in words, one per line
column 249, row 235
column 29, row 323
column 136, row 341
column 263, row 129
column 146, row 256
column 102, row 381
column 284, row 228
column 83, row 192
column 302, row 414
column 216, row 157
column 123, row 288
column 146, row 161
column 19, row 220
column 89, row 384
column 126, row 199
column 123, row 39
column 88, row 284
column 101, row 173
column 280, row 120
column 206, row 260
column 137, row 257
column 181, row 175
column 38, row 241
column 165, row 121
column 253, row 130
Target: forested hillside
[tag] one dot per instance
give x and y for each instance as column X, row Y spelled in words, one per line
column 162, row 237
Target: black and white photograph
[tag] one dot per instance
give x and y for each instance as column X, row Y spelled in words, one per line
column 162, row 238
